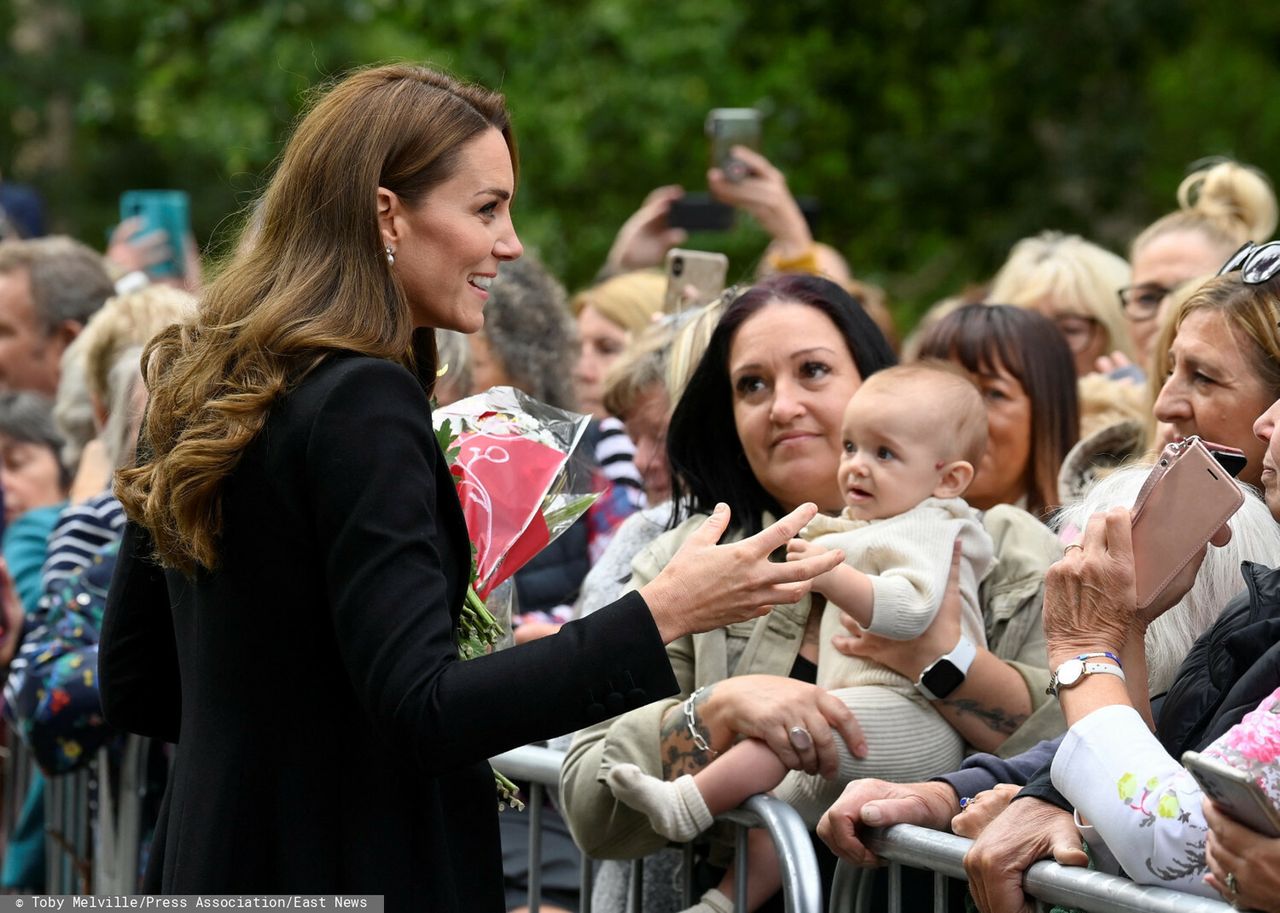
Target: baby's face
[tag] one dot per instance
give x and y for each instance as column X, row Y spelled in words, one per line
column 891, row 455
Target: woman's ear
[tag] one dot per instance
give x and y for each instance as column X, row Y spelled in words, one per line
column 953, row 479
column 389, row 213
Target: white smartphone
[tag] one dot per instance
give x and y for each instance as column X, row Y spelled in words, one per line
column 1235, row 792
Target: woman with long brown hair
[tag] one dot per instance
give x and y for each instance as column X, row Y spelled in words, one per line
column 295, row 563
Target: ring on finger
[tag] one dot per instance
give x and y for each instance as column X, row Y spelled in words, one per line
column 1232, row 885
column 800, row 738
column 1071, row 546
column 966, row 801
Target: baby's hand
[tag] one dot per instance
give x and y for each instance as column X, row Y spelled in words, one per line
column 799, row 549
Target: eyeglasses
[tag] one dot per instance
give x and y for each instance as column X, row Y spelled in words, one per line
column 1079, row 331
column 1142, row 302
column 1256, row 262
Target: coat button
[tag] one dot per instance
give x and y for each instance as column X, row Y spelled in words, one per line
column 614, row 703
column 636, row 697
column 595, row 713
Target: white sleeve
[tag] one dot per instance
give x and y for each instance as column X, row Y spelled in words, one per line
column 1138, row 799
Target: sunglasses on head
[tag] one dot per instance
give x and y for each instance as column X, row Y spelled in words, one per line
column 1256, row 262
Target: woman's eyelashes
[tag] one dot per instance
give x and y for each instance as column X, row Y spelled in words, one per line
column 748, row 384
column 815, row 369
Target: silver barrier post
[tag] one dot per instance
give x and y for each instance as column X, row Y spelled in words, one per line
column 535, row 847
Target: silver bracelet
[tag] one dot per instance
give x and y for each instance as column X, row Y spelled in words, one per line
column 691, row 720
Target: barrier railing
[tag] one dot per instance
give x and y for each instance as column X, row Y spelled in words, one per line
column 801, row 882
column 92, row 817
column 1049, row 883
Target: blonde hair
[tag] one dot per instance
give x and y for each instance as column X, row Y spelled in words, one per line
column 316, row 280
column 1226, row 202
column 961, row 424
column 1068, row 268
column 691, row 341
column 124, row 322
column 630, row 300
column 1250, row 311
column 643, row 367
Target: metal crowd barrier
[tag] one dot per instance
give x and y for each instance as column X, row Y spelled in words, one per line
column 92, row 817
column 1049, row 883
column 801, row 882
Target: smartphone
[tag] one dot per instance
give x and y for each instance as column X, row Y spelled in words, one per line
column 162, row 210
column 699, row 212
column 729, row 127
column 1235, row 792
column 1185, row 499
column 1232, row 459
column 694, row 278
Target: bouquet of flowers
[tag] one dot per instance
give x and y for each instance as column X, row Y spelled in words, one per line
column 509, row 455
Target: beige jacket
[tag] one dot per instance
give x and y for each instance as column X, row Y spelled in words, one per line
column 606, row 829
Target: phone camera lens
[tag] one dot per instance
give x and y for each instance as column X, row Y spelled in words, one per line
column 677, row 266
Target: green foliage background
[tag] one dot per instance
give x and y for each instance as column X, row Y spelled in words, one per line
column 934, row 132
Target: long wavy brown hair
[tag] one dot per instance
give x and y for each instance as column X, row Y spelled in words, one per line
column 314, row 279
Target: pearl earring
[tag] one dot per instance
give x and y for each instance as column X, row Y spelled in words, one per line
column 391, row 257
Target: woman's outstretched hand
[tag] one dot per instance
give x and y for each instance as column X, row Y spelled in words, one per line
column 706, row 585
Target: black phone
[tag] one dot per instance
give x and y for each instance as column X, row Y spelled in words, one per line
column 699, row 212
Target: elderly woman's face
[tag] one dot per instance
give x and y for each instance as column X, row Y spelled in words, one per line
column 1085, row 335
column 646, row 425
column 1213, row 389
column 29, row 475
column 792, row 375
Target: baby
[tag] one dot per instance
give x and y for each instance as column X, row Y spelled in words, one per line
column 913, row 436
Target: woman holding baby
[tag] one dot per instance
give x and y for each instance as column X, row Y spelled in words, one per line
column 760, row 428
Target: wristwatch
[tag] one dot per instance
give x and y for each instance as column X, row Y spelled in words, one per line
column 946, row 673
column 1073, row 671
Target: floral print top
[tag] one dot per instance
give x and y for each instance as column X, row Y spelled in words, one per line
column 52, row 691
column 1141, row 805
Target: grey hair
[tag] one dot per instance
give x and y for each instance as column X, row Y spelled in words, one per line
column 531, row 332
column 120, row 434
column 69, row 280
column 73, row 406
column 1255, row 536
column 27, row 418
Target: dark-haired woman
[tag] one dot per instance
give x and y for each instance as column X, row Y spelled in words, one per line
column 289, row 586
column 1026, row 374
column 759, row 427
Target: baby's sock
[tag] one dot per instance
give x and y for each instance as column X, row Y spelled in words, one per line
column 676, row 810
column 712, row 902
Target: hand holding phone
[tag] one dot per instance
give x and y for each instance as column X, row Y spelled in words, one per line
column 1235, row 792
column 1186, row 499
column 694, row 278
column 157, row 213
column 729, row 127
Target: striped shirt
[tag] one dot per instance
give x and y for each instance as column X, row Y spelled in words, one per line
column 81, row 532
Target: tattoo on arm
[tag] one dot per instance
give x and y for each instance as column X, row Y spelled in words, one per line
column 997, row 719
column 680, row 754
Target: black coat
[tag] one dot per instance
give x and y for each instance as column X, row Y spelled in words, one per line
column 1229, row 669
column 329, row 739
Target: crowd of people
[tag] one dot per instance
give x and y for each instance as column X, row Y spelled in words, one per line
column 853, row 573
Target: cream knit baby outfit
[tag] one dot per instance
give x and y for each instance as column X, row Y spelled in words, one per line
column 909, row 559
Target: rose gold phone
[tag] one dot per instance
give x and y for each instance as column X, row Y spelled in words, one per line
column 1184, row 501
